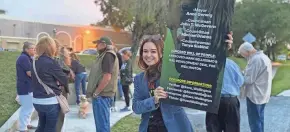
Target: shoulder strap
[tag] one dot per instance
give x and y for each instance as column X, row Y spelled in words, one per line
column 46, row 88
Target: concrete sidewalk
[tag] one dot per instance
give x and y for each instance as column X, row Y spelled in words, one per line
column 75, row 124
column 276, row 116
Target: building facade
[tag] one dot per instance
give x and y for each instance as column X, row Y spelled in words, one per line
column 14, row 32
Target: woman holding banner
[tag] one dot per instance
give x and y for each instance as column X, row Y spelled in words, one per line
column 156, row 116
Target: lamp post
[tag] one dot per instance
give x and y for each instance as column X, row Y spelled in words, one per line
column 54, row 32
column 14, row 25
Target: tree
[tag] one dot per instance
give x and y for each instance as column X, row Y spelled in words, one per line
column 141, row 17
column 268, row 20
column 2, row 11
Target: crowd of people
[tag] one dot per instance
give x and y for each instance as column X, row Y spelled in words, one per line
column 49, row 65
column 55, row 65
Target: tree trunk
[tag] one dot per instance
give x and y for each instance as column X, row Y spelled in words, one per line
column 136, row 37
column 273, row 53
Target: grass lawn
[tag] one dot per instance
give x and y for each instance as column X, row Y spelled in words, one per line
column 87, row 60
column 240, row 61
column 7, row 85
column 285, row 62
column 127, row 124
column 281, row 80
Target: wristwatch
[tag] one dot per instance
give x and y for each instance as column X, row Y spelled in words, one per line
column 95, row 95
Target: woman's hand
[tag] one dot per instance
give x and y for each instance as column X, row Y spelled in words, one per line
column 72, row 75
column 158, row 94
column 230, row 40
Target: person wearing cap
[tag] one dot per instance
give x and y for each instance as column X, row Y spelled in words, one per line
column 23, row 85
column 102, row 83
column 258, row 83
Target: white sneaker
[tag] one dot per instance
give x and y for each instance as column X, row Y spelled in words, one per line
column 113, row 109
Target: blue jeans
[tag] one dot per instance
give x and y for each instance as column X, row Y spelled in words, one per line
column 101, row 110
column 80, row 80
column 120, row 89
column 255, row 116
column 48, row 115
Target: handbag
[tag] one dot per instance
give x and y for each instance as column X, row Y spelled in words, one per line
column 60, row 98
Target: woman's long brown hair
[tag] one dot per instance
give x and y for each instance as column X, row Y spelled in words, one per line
column 74, row 56
column 45, row 46
column 152, row 73
column 63, row 52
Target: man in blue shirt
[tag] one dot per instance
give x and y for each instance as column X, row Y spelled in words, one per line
column 228, row 117
column 24, row 89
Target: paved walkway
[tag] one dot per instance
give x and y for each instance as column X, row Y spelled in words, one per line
column 276, row 116
column 88, row 124
column 75, row 124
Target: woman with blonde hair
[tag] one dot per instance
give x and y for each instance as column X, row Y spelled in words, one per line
column 49, row 72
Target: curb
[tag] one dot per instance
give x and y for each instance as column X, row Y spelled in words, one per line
column 11, row 124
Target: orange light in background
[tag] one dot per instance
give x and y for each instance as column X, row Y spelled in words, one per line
column 88, row 31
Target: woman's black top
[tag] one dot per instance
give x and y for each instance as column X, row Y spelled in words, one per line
column 156, row 123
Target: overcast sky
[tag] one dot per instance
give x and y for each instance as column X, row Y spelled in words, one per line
column 81, row 12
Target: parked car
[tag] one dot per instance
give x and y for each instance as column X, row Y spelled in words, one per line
column 89, row 52
column 127, row 48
